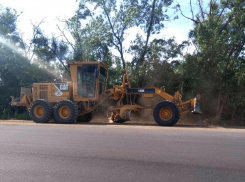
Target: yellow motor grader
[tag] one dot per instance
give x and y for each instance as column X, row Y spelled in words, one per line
column 68, row 102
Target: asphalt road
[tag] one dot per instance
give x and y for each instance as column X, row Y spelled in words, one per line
column 52, row 152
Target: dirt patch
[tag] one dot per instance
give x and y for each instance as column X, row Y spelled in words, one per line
column 15, row 120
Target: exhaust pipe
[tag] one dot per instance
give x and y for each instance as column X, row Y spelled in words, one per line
column 196, row 108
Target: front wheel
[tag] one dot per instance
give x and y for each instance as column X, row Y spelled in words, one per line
column 65, row 112
column 166, row 113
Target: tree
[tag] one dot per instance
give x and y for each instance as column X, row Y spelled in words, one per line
column 90, row 41
column 117, row 17
column 15, row 70
column 150, row 19
column 160, row 51
column 94, row 32
column 219, row 38
column 8, row 19
column 49, row 49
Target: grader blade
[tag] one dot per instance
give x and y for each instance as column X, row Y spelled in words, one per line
column 120, row 118
column 116, row 118
column 197, row 109
column 122, row 113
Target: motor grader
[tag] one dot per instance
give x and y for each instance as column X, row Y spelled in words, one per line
column 75, row 100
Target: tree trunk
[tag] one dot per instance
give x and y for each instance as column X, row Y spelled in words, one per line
column 220, row 106
column 233, row 113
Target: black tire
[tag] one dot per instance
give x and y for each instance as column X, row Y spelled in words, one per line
column 85, row 118
column 65, row 112
column 166, row 113
column 119, row 121
column 40, row 111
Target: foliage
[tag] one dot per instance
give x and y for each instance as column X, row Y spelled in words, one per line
column 49, row 49
column 219, row 37
column 150, row 19
column 15, row 70
column 90, row 44
column 159, row 51
column 99, row 30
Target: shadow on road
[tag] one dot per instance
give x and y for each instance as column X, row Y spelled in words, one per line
column 131, row 123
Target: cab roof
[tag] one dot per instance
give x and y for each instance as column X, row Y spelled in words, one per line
column 88, row 63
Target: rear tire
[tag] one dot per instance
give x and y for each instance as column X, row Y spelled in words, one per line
column 85, row 118
column 40, row 111
column 166, row 113
column 65, row 112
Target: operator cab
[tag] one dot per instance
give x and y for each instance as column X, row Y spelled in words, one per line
column 89, row 79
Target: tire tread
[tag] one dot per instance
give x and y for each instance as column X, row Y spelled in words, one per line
column 172, row 121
